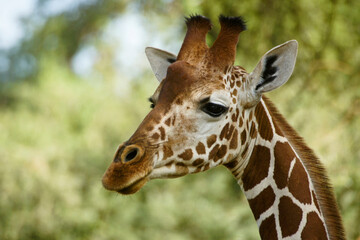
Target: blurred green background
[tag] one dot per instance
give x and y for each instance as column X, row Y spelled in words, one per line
column 74, row 84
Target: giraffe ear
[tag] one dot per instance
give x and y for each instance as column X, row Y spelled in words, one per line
column 274, row 68
column 159, row 61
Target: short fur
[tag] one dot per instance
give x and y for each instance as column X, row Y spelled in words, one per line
column 317, row 174
column 224, row 47
column 194, row 46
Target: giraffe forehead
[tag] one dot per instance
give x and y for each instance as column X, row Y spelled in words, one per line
column 186, row 81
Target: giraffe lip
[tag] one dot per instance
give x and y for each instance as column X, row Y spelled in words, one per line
column 133, row 187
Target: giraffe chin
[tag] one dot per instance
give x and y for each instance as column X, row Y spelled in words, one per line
column 134, row 187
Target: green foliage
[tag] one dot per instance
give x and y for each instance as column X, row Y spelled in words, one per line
column 59, row 131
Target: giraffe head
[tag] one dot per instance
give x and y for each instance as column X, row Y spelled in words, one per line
column 200, row 108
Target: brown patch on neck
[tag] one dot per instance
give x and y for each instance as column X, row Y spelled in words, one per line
column 241, row 121
column 221, row 153
column 224, row 131
column 289, row 216
column 162, row 133
column 155, row 136
column 186, row 155
column 262, row 202
column 167, row 152
column 198, row 162
column 213, row 152
column 264, row 126
column 268, row 229
column 234, row 140
column 314, row 227
column 283, row 158
column 181, row 169
column 243, row 137
column 257, row 168
column 299, row 183
column 211, row 140
column 246, row 148
column 168, row 121
column 253, row 131
column 317, row 174
column 200, row 148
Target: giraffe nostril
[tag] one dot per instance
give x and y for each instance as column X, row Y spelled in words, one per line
column 131, row 155
column 127, row 153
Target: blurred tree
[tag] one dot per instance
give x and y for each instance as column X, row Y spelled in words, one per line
column 57, row 129
column 60, row 35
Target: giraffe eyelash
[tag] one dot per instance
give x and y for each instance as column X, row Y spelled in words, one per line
column 214, row 109
column 152, row 102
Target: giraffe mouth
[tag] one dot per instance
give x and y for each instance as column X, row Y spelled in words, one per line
column 133, row 187
column 127, row 178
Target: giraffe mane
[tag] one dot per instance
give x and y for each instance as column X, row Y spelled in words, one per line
column 317, row 172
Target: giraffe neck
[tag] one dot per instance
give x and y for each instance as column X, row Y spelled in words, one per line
column 279, row 187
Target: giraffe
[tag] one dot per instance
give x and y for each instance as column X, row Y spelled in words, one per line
column 207, row 112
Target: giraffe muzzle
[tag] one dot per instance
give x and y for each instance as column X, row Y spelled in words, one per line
column 119, row 177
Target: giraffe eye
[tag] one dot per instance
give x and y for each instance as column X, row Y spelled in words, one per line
column 213, row 109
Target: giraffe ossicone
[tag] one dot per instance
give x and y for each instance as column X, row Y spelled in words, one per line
column 208, row 112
